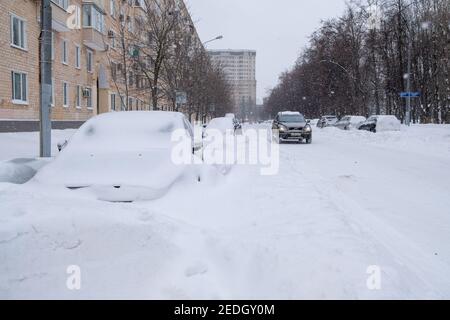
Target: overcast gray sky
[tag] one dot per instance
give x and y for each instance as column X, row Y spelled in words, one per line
column 278, row 30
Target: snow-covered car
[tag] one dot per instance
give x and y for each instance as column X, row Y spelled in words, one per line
column 380, row 123
column 215, row 143
column 327, row 121
column 123, row 156
column 224, row 125
column 291, row 126
column 349, row 122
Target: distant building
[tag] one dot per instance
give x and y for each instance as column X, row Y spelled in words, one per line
column 85, row 60
column 240, row 70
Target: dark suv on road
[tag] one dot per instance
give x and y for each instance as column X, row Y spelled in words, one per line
column 291, row 126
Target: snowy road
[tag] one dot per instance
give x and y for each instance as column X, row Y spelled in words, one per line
column 348, row 201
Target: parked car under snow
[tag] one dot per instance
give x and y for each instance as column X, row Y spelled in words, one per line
column 380, row 123
column 327, row 121
column 122, row 157
column 349, row 122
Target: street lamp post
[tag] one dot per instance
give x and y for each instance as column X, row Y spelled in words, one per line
column 216, row 38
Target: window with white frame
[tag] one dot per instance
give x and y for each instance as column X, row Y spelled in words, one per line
column 65, row 94
column 130, row 104
column 18, row 32
column 89, row 62
column 113, row 101
column 122, row 103
column 93, row 18
column 53, row 93
column 78, row 96
column 112, row 8
column 77, row 57
column 19, row 83
column 53, row 45
column 88, row 96
column 62, row 3
column 64, row 52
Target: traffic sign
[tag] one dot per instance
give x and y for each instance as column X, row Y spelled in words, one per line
column 181, row 97
column 410, row 94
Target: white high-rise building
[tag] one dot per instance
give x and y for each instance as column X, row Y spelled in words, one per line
column 240, row 70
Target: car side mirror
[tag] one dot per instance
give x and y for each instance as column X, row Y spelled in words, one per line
column 308, row 121
column 62, row 144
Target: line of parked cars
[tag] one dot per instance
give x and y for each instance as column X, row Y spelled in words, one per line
column 376, row 123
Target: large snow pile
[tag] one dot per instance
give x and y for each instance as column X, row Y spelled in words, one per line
column 20, row 170
column 220, row 124
column 388, row 123
column 26, row 144
column 349, row 203
column 119, row 155
column 355, row 120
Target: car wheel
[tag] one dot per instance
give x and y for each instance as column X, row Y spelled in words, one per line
column 309, row 140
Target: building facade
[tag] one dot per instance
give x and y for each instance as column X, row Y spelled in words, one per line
column 240, row 70
column 86, row 59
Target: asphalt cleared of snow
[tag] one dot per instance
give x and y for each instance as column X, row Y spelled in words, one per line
column 348, row 202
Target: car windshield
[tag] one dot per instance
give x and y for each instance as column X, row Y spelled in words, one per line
column 292, row 118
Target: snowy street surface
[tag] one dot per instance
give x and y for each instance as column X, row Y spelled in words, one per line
column 348, row 201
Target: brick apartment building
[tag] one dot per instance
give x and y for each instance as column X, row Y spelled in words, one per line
column 83, row 44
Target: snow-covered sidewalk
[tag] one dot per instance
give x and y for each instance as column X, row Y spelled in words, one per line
column 348, row 201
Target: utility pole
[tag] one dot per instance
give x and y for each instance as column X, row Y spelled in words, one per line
column 408, row 82
column 46, row 79
column 408, row 77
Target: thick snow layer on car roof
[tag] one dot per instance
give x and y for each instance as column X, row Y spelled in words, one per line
column 221, row 124
column 289, row 113
column 357, row 119
column 117, row 149
column 135, row 130
column 388, row 123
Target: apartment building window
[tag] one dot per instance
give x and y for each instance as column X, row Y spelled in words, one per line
column 19, row 83
column 53, row 93
column 122, row 103
column 18, row 32
column 77, row 57
column 88, row 95
column 113, row 101
column 90, row 58
column 53, row 45
column 113, row 70
column 93, row 18
column 112, row 8
column 62, row 3
column 78, row 94
column 65, row 94
column 130, row 104
column 131, row 79
column 64, row 51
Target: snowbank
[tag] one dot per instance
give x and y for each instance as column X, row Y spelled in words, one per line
column 26, row 144
column 388, row 123
column 122, row 157
column 350, row 200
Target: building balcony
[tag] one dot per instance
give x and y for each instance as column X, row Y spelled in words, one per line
column 93, row 39
column 60, row 18
column 98, row 3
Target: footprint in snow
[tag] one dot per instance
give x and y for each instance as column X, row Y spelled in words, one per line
column 197, row 269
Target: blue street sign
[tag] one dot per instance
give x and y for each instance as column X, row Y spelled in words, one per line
column 410, row 94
